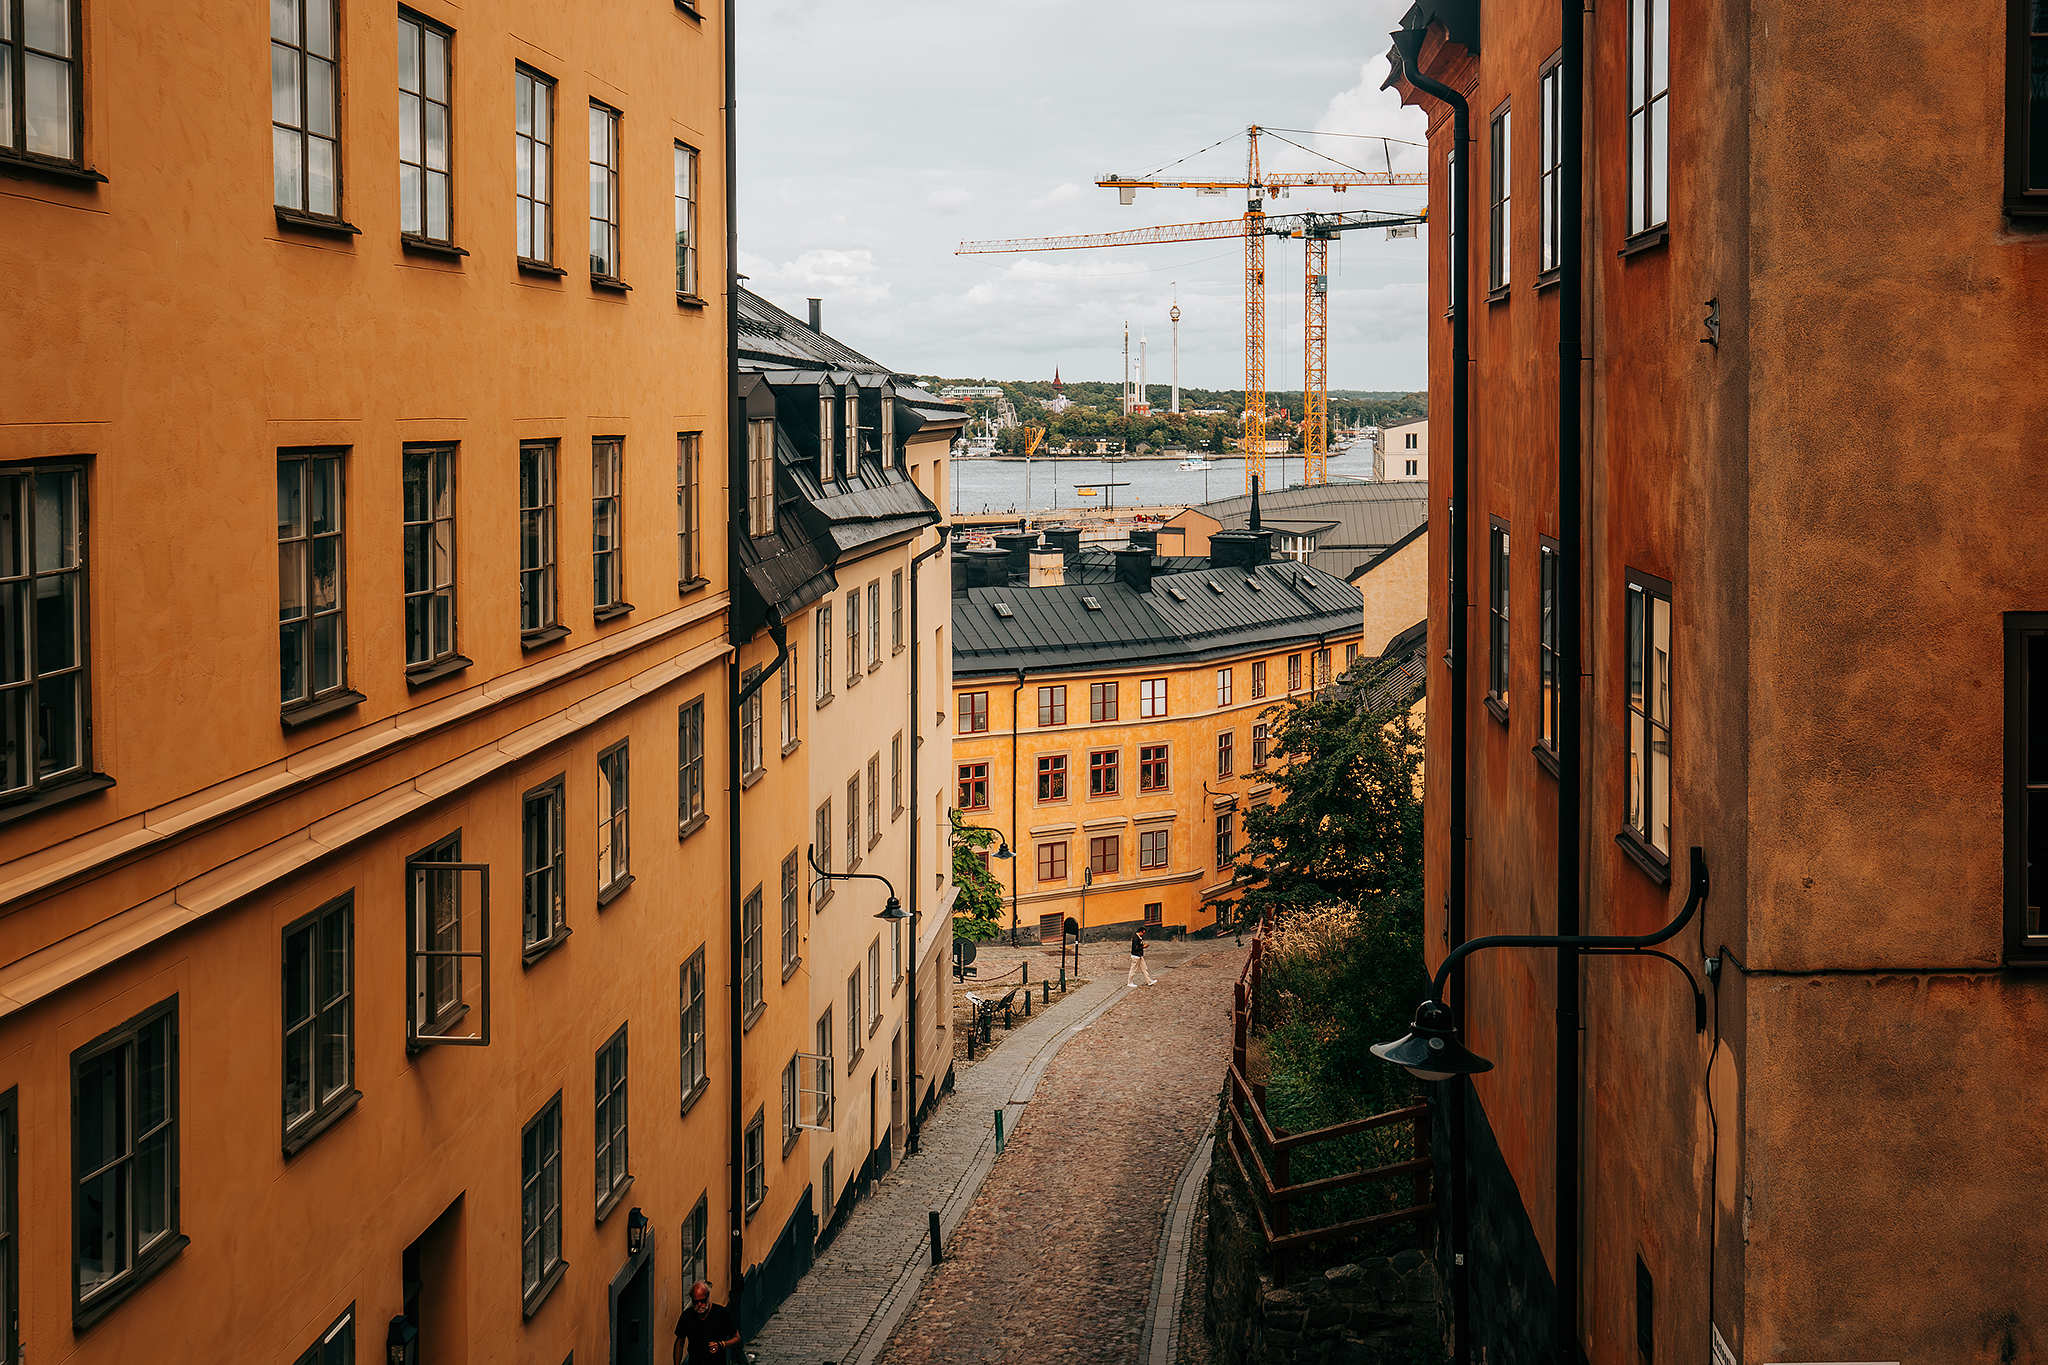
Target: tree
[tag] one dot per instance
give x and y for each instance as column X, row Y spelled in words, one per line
column 978, row 909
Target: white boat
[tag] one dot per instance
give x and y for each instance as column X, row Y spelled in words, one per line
column 1197, row 465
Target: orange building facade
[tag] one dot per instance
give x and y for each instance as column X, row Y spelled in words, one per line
column 364, row 962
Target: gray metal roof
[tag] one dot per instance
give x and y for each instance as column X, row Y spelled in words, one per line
column 772, row 340
column 1184, row 618
column 1366, row 518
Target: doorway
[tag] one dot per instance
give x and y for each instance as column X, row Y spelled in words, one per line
column 432, row 1275
column 633, row 1318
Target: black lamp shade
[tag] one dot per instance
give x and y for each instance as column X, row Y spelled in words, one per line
column 1431, row 1051
column 893, row 910
column 1004, row 853
column 636, row 1232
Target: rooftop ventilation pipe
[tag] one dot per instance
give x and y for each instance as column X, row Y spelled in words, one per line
column 1065, row 539
column 1145, row 538
column 817, row 314
column 1048, row 568
column 986, row 568
column 1134, row 567
column 1018, row 545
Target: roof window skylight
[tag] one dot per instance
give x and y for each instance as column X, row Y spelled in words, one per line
column 1091, row 604
column 1003, row 610
column 1215, row 587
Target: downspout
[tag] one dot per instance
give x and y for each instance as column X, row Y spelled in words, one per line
column 1570, row 662
column 735, row 464
column 1408, row 43
column 910, row 1137
column 1015, row 778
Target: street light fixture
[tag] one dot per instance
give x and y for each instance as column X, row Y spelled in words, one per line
column 636, row 1232
column 893, row 911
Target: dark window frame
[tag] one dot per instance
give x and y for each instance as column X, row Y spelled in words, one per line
column 690, row 805
column 444, row 855
column 536, row 212
column 614, row 821
column 1104, row 777
column 1546, row 644
column 536, row 1155
column 754, row 1146
column 1155, row 848
column 1105, row 854
column 694, row 1241
column 1638, row 646
column 607, row 555
column 540, row 598
column 307, row 622
column 752, row 758
column 792, row 944
column 1500, row 197
column 327, row 1104
column 1550, row 166
column 1052, row 860
column 1258, row 679
column 144, row 1262
column 1499, row 662
column 1052, row 705
column 424, row 97
column 973, row 712
column 303, row 129
column 552, row 797
column 1649, row 206
column 1051, row 770
column 689, row 508
column 10, row 1225
column 336, row 1346
column 973, row 786
column 1102, row 702
column 1226, row 838
column 440, row 458
column 2026, row 116
column 611, row 1145
column 14, row 53
column 761, row 476
column 695, row 1074
column 2026, row 788
column 37, row 783
column 1226, row 753
column 1155, row 771
column 686, row 220
column 752, row 951
column 1262, row 739
column 607, row 270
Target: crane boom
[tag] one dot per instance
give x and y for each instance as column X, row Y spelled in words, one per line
column 1274, row 180
column 1284, row 225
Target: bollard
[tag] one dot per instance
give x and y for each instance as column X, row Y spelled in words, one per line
column 936, row 1257
column 1063, row 978
column 1006, row 1017
column 1046, row 986
column 971, row 1040
column 999, row 1130
column 1027, row 973
column 1027, row 1004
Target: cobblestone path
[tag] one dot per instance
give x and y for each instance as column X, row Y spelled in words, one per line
column 1054, row 1260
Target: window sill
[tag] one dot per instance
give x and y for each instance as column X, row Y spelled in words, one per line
column 71, row 789
column 789, row 1141
column 2026, row 960
column 553, row 272
column 852, row 681
column 2030, row 206
column 789, row 968
column 824, row 899
column 540, row 950
column 821, row 702
column 531, row 1305
column 874, row 664
column 873, row 1024
column 690, row 301
column 853, row 864
column 145, row 1270
column 894, row 650
column 754, row 1208
column 294, row 1143
column 1499, row 295
column 690, row 585
column 316, row 222
column 67, row 172
column 1546, row 760
column 753, row 1017
column 546, row 635
column 612, row 1200
column 1549, row 279
column 692, row 825
column 693, row 1094
column 1656, row 868
column 300, row 716
column 853, row 1062
column 748, row 779
column 1496, row 708
column 874, row 839
column 610, row 282
column 792, row 747
column 422, row 674
column 1645, row 241
column 427, row 247
column 689, row 11
column 896, row 814
column 610, row 613
column 614, row 891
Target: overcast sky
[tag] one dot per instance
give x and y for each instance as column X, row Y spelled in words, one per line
column 874, row 139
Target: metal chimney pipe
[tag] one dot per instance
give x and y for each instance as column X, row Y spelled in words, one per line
column 817, row 313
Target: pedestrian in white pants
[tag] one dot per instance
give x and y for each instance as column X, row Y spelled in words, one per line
column 1138, row 968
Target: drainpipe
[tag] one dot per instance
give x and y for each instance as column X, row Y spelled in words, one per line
column 1570, row 664
column 1016, row 849
column 916, row 890
column 735, row 481
column 1408, row 43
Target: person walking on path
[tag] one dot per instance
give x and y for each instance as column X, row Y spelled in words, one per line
column 705, row 1331
column 1138, row 967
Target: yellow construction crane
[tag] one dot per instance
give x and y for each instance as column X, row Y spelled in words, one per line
column 1315, row 231
column 1263, row 187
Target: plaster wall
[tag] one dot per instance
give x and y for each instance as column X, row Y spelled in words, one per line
column 1396, row 593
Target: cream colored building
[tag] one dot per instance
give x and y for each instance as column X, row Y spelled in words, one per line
column 1401, row 451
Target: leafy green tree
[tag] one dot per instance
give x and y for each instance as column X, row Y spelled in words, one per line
column 978, row 909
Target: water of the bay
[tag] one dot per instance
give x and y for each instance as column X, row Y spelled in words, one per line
column 999, row 486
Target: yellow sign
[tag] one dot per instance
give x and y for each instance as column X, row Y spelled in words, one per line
column 1085, row 493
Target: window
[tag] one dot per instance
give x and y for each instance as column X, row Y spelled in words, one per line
column 874, row 800
column 1152, row 768
column 1152, row 698
column 536, row 537
column 10, row 1217
column 790, row 945
column 875, row 624
column 1321, row 659
column 853, row 821
column 1052, row 705
column 1261, row 739
column 1546, row 642
column 1550, row 201
column 696, row 1242
column 1411, row 467
column 686, row 220
column 790, row 1127
column 895, row 950
column 1105, row 854
column 1258, row 679
column 1223, row 686
column 1649, row 713
column 311, row 623
column 874, row 983
column 423, row 129
column 606, row 531
column 1497, row 614
column 853, row 1033
column 2026, row 127
column 1102, row 766
column 319, row 1020
column 604, row 191
column 853, row 637
column 305, row 160
column 751, row 761
column 895, row 593
column 1052, row 777
column 822, row 1093
column 694, row 1076
column 1499, row 167
column 821, row 849
column 1101, row 701
column 614, row 843
column 449, row 942
column 1155, row 913
column 543, row 886
column 690, row 763
column 124, row 1105
column 896, row 775
column 337, row 1345
column 761, row 477
column 1350, row 655
column 825, row 452
column 1646, row 1313
column 750, row 955
column 1226, row 752
column 1153, row 847
column 540, row 1205
column 1412, row 438
column 689, row 536
column 533, row 139
column 973, row 712
column 429, row 556
column 1649, row 112
column 973, row 786
column 1294, row 673
column 822, row 632
column 2026, row 785
column 785, row 680
column 1226, row 832
column 1052, row 862
column 612, row 1169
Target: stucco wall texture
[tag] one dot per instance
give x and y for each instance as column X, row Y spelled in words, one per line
column 1844, row 494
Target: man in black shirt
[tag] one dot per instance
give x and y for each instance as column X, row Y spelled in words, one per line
column 1138, row 961
column 705, row 1331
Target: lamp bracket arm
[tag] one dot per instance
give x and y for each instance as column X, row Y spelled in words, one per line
column 811, row 853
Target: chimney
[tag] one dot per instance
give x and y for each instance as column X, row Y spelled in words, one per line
column 1134, row 567
column 1065, row 539
column 1019, row 545
column 986, row 568
column 959, row 574
column 1145, row 538
column 1048, row 568
column 1244, row 549
column 817, row 313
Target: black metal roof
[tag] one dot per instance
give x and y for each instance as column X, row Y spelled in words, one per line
column 1185, row 618
column 1093, row 565
column 1363, row 518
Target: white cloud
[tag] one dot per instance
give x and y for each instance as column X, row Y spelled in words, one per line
column 847, row 277
column 1057, row 197
column 950, row 201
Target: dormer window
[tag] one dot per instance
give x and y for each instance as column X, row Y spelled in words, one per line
column 824, row 435
column 852, row 430
column 761, row 477
column 889, row 451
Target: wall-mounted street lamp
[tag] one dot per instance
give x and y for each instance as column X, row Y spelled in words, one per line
column 892, row 910
column 402, row 1342
column 636, row 1232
